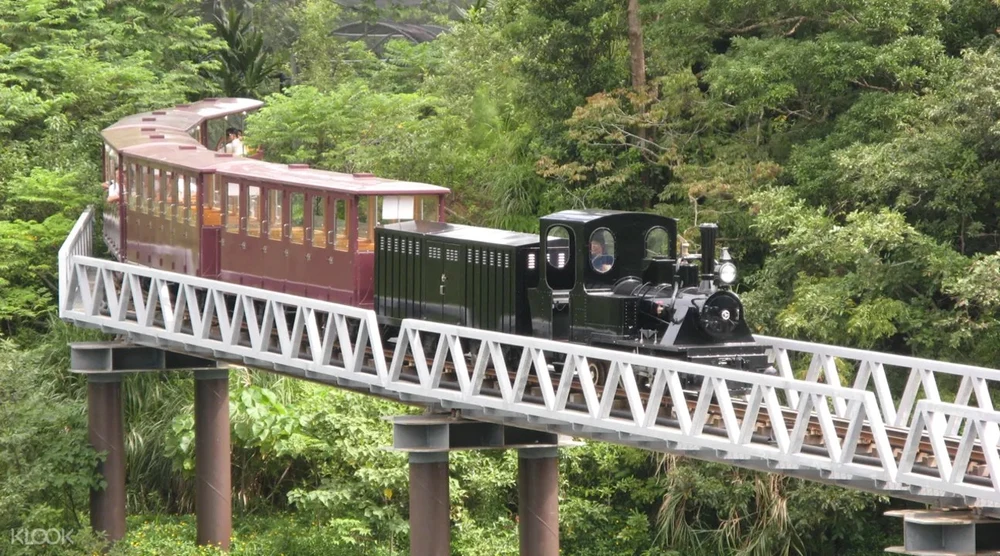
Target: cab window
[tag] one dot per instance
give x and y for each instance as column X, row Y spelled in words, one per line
column 657, row 243
column 602, row 250
column 428, row 208
column 560, row 273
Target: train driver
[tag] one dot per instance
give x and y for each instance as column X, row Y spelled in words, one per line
column 599, row 259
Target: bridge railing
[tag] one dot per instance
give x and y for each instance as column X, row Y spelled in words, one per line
column 80, row 241
column 874, row 370
column 980, row 430
column 545, row 373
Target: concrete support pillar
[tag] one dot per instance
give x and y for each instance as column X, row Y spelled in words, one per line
column 430, row 509
column 538, row 501
column 107, row 434
column 213, row 491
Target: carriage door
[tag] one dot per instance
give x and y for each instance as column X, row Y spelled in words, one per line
column 444, row 283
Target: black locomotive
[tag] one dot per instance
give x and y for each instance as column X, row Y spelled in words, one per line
column 605, row 278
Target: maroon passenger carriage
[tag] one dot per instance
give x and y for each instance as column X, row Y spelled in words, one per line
column 186, row 208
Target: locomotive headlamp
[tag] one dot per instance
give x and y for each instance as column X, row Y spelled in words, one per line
column 727, row 269
column 727, row 273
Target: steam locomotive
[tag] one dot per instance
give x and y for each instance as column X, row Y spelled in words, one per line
column 604, row 278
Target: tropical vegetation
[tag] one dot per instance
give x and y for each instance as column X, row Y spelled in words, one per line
column 848, row 149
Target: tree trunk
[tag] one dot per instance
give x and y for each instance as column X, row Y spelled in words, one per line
column 637, row 56
column 635, row 47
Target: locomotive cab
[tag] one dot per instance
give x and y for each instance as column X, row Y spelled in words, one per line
column 615, row 279
column 582, row 255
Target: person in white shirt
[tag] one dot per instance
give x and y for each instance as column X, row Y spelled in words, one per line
column 114, row 192
column 234, row 145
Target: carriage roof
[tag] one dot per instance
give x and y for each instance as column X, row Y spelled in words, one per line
column 167, row 152
column 182, row 118
column 303, row 176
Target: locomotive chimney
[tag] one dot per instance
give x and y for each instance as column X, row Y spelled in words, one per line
column 709, row 232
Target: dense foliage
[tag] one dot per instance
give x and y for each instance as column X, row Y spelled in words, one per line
column 847, row 148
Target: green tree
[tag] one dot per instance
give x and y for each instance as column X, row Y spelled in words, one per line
column 245, row 68
column 66, row 71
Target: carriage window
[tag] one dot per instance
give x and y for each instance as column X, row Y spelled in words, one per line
column 319, row 222
column 216, row 134
column 111, row 166
column 191, row 196
column 253, row 211
column 158, row 193
column 146, row 185
column 297, row 217
column 211, row 200
column 181, row 198
column 657, row 243
column 274, row 214
column 211, row 215
column 340, row 225
column 396, row 208
column 167, row 195
column 428, row 206
column 133, row 187
column 231, row 208
column 602, row 250
column 366, row 223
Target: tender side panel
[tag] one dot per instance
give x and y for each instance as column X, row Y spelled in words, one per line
column 491, row 287
column 399, row 274
column 448, row 280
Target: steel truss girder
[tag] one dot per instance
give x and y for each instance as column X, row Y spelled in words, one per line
column 819, row 430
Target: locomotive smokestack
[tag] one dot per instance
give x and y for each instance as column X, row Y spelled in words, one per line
column 709, row 232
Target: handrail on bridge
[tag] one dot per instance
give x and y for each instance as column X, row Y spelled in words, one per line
column 80, row 241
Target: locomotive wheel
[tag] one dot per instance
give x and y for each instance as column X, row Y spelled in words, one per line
column 598, row 371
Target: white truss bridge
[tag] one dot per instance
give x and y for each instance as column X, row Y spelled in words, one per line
column 889, row 431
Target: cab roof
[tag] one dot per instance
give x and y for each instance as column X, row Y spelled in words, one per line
column 583, row 216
